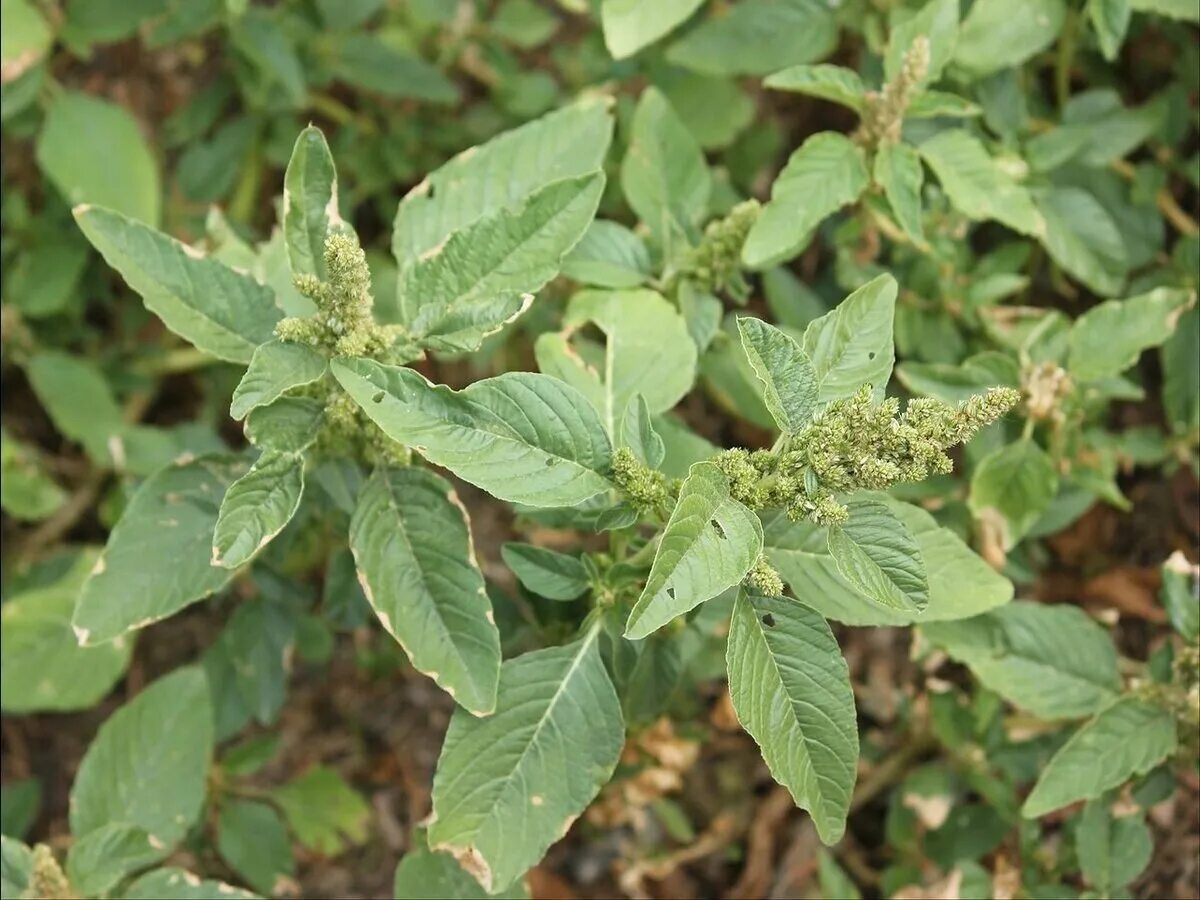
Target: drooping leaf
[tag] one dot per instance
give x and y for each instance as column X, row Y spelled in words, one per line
column 999, row 34
column 1110, row 21
column 961, row 584
column 1051, row 660
column 412, row 545
column 159, row 556
column 630, row 25
column 647, row 351
column 112, row 167
column 522, row 437
column 310, row 203
column 826, row 173
column 976, row 185
column 789, row 381
column 875, row 551
column 221, row 311
column 709, row 544
column 835, row 83
column 509, row 785
column 898, row 171
column 1011, row 488
column 257, row 507
column 852, row 344
column 1108, row 338
column 663, row 174
column 565, row 144
column 275, row 368
column 790, row 688
column 545, row 572
column 1128, row 738
column 484, row 275
column 148, row 765
column 782, row 32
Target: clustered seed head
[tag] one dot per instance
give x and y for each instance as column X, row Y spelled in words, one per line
column 645, row 488
column 857, row 444
column 883, row 111
column 763, row 578
column 343, row 324
column 715, row 265
column 46, row 878
column 348, row 432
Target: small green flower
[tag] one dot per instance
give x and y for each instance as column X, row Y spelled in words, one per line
column 763, row 578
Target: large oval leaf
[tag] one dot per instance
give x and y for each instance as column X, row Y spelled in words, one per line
column 522, row 437
column 852, row 345
column 791, row 691
column 412, row 545
column 510, row 785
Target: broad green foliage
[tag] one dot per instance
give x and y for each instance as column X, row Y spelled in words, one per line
column 877, row 554
column 522, row 437
column 629, row 25
column 310, row 203
column 1107, row 339
column 422, row 873
column 159, row 556
column 708, row 545
column 789, row 381
column 412, row 545
column 852, row 345
column 275, row 368
column 509, row 785
column 170, row 723
column 1125, row 739
column 257, row 507
column 1112, row 851
column 791, row 690
column 1012, row 487
column 557, row 576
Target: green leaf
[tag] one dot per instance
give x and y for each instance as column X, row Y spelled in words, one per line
column 568, row 143
column 826, row 173
column 510, row 785
column 20, row 802
column 961, row 584
column 98, row 860
column 664, row 174
column 834, row 83
column 1181, row 377
column 485, row 274
column 1083, row 239
column 999, row 34
column 1184, row 10
column 1180, row 595
column 253, row 840
column 546, row 573
column 1011, row 488
column 790, row 688
column 630, row 25
column 976, row 185
column 875, row 552
column 898, row 171
column 715, row 109
column 789, row 382
column 113, row 167
column 938, row 22
column 1126, row 739
column 159, row 556
column 522, row 437
column 936, row 104
column 782, row 32
column 310, row 203
column 1110, row 21
column 639, row 434
column 852, row 344
column 25, row 39
column 1053, row 661
column 275, row 368
column 148, row 764
column 412, row 544
column 1108, row 338
column 365, row 60
column 26, row 492
column 422, row 874
column 178, row 884
column 43, row 667
column 1112, row 852
column 257, row 507
column 325, row 813
column 647, row 351
column 221, row 311
column 287, row 425
column 74, row 393
column 608, row 255
column 709, row 544
column 16, row 868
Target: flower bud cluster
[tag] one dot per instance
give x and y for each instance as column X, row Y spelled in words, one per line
column 763, row 578
column 343, row 324
column 645, row 488
column 883, row 111
column 716, row 264
column 857, row 444
column 348, row 432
